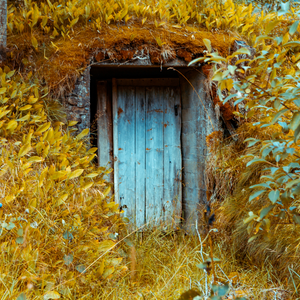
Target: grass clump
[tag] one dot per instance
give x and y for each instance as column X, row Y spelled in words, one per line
column 166, row 267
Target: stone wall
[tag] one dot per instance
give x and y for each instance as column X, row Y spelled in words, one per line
column 3, row 21
column 77, row 103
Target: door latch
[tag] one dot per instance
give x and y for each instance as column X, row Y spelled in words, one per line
column 176, row 109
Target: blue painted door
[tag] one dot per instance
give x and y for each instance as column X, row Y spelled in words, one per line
column 147, row 150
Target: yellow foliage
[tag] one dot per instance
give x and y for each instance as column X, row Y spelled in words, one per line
column 54, row 200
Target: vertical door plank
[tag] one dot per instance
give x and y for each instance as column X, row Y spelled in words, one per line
column 126, row 150
column 154, row 154
column 172, row 156
column 104, row 117
column 140, row 156
column 115, row 139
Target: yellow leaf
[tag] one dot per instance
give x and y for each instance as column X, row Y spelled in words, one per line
column 108, row 272
column 91, row 175
column 9, row 198
column 3, row 170
column 12, row 125
column 59, row 175
column 106, row 245
column 76, row 173
column 26, row 107
column 83, row 133
column 32, row 99
column 43, row 127
column 24, row 150
column 286, row 38
column 115, row 261
column 25, row 118
column 87, row 185
column 46, row 151
column 72, row 123
column 2, row 114
column 101, row 269
column 51, row 295
column 34, row 42
column 271, row 26
column 62, row 199
column 73, row 22
column 32, row 205
column 229, row 84
column 207, row 43
column 42, row 176
column 106, row 191
column 92, row 150
column 35, row 159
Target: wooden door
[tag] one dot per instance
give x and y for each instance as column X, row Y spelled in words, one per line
column 147, row 149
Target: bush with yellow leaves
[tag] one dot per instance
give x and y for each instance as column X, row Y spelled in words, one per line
column 56, row 222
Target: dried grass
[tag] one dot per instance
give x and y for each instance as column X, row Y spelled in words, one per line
column 229, row 184
column 166, row 267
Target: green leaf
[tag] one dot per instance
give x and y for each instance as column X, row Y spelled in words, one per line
column 252, row 143
column 80, row 268
column 22, row 296
column 20, row 240
column 129, row 242
column 296, row 219
column 242, row 51
column 293, row 182
column 265, row 211
column 202, row 265
column 256, row 194
column 273, row 196
column 277, row 115
column 294, row 28
column 252, row 238
column 68, row 259
column 295, row 121
column 20, row 232
column 292, row 44
column 296, row 133
column 255, row 160
column 260, row 185
column 10, row 226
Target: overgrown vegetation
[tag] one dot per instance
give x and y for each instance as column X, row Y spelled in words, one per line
column 58, row 221
column 55, row 217
column 262, row 202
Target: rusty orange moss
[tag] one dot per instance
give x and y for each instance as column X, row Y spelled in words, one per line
column 59, row 62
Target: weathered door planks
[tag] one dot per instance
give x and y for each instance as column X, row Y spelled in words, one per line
column 154, row 154
column 147, row 149
column 172, row 150
column 104, row 125
column 140, row 156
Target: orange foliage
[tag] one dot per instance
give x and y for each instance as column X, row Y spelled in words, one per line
column 62, row 60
